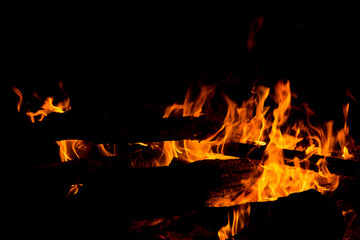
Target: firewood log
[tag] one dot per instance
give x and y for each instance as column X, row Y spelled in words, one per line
column 111, row 130
column 345, row 167
column 185, row 187
column 305, row 215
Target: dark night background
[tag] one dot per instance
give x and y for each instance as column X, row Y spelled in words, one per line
column 132, row 65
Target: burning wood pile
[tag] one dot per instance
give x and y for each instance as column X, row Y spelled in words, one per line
column 260, row 170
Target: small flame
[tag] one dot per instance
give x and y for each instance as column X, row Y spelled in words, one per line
column 18, row 92
column 73, row 189
column 107, row 150
column 240, row 125
column 343, row 135
column 47, row 107
column 69, row 149
column 239, row 220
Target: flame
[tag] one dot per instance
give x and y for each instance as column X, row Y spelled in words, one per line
column 47, row 107
column 239, row 220
column 191, row 150
column 70, row 149
column 252, row 122
column 241, row 124
column 277, row 178
column 282, row 139
column 343, row 135
column 18, row 92
column 73, row 189
column 107, row 150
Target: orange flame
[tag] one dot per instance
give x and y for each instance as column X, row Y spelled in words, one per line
column 239, row 220
column 240, row 125
column 191, row 150
column 343, row 135
column 278, row 179
column 47, row 107
column 18, row 92
column 71, row 149
column 73, row 189
column 252, row 122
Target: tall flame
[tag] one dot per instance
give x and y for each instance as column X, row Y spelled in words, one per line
column 251, row 123
column 239, row 220
column 343, row 135
column 278, row 179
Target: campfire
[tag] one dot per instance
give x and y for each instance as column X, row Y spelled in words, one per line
column 222, row 138
column 229, row 174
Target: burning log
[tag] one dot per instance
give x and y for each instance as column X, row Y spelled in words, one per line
column 172, row 189
column 306, row 215
column 179, row 194
column 217, row 179
column 345, row 167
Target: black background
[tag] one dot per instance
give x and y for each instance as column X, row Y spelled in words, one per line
column 134, row 63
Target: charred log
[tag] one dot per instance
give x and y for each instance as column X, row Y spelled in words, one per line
column 167, row 190
column 207, row 181
column 306, row 215
column 112, row 130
